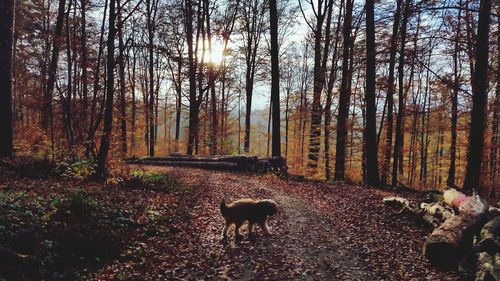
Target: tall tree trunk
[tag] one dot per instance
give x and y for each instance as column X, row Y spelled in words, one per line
column 454, row 104
column 319, row 80
column 108, row 112
column 85, row 82
column 46, row 118
column 121, row 74
column 275, row 79
column 329, row 92
column 372, row 174
column 192, row 76
column 345, row 95
column 92, row 128
column 7, row 12
column 134, row 105
column 495, row 134
column 390, row 94
column 479, row 100
column 66, row 103
column 211, row 85
column 151, row 16
column 178, row 107
column 398, row 142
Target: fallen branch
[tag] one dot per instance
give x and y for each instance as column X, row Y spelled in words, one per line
column 417, row 213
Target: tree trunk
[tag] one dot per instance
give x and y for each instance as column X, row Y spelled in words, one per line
column 7, row 12
column 390, row 94
column 319, row 80
column 192, row 75
column 345, row 95
column 454, row 104
column 66, row 103
column 398, row 142
column 83, row 42
column 151, row 17
column 275, row 80
column 46, row 118
column 495, row 134
column 121, row 74
column 108, row 112
column 92, row 128
column 372, row 175
column 479, row 100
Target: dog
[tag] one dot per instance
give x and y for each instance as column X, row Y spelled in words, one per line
column 251, row 210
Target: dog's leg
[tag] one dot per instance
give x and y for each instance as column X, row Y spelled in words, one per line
column 237, row 231
column 250, row 228
column 224, row 230
column 265, row 227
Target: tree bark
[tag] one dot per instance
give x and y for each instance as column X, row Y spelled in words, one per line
column 479, row 101
column 398, row 142
column 323, row 8
column 454, row 104
column 192, row 75
column 46, row 118
column 7, row 13
column 85, row 82
column 108, row 111
column 345, row 95
column 121, row 74
column 390, row 94
column 372, row 174
column 495, row 134
column 275, row 80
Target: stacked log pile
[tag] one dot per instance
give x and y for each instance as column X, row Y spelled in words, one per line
column 218, row 162
column 464, row 226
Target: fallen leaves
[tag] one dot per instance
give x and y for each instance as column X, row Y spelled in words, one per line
column 322, row 232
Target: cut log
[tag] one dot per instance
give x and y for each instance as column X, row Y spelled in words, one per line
column 437, row 210
column 416, row 213
column 490, row 237
column 447, row 244
column 488, row 267
column 218, row 162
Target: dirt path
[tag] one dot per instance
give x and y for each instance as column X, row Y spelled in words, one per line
column 320, row 233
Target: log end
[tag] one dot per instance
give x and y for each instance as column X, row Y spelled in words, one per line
column 441, row 252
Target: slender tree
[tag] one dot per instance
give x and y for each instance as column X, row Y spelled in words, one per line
column 398, row 141
column 454, row 103
column 479, row 100
column 108, row 111
column 323, row 9
column 495, row 134
column 46, row 116
column 390, row 93
column 345, row 96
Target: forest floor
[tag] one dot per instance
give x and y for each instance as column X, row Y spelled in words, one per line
column 172, row 232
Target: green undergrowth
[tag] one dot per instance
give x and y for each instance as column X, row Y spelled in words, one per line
column 68, row 232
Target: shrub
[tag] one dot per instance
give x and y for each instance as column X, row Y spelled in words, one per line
column 81, row 231
column 32, row 167
column 78, row 203
column 80, row 169
column 149, row 177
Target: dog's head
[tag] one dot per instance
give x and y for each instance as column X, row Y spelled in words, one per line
column 269, row 206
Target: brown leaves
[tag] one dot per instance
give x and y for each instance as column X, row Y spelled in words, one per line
column 321, row 232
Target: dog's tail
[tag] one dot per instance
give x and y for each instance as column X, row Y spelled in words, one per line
column 223, row 207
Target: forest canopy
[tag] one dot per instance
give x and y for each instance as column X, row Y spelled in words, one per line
column 384, row 92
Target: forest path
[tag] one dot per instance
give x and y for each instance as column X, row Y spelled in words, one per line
column 321, row 232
